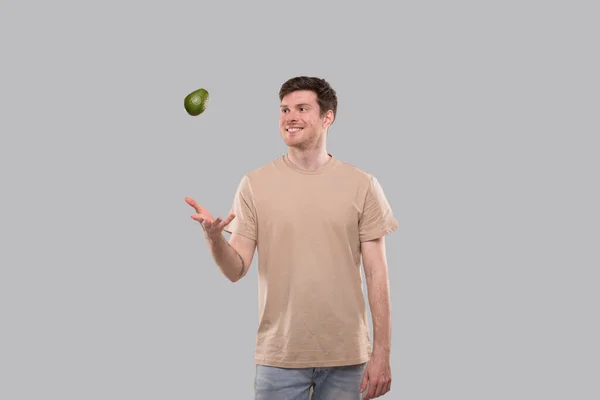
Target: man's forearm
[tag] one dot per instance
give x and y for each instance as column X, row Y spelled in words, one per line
column 229, row 261
column 379, row 302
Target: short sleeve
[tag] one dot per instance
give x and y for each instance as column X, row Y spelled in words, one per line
column 377, row 218
column 244, row 223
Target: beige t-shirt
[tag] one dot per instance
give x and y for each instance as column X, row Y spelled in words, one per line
column 308, row 226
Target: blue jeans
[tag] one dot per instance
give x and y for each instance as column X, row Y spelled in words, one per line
column 331, row 383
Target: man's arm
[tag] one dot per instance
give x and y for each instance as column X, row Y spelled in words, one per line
column 378, row 288
column 233, row 257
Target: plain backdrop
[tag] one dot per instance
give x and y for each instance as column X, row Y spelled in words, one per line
column 480, row 120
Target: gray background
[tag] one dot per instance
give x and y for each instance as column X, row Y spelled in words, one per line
column 480, row 119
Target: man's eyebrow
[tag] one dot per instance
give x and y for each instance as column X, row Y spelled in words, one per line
column 297, row 105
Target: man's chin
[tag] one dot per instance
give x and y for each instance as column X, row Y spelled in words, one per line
column 290, row 141
column 294, row 144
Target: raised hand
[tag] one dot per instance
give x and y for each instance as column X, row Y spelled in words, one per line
column 212, row 227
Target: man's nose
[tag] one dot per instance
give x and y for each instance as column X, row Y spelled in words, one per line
column 291, row 116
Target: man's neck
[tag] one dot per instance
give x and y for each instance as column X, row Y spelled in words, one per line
column 309, row 159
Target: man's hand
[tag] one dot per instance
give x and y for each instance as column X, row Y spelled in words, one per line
column 378, row 376
column 212, row 227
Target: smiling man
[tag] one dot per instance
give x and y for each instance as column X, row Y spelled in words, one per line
column 312, row 219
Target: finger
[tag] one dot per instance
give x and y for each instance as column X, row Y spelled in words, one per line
column 385, row 386
column 363, row 384
column 380, row 389
column 367, row 395
column 372, row 389
column 217, row 222
column 227, row 221
column 194, row 204
column 197, row 217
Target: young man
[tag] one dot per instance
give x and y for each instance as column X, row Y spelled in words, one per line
column 312, row 218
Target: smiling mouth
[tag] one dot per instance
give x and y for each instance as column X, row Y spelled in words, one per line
column 294, row 129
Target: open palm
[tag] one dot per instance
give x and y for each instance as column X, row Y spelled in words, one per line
column 211, row 226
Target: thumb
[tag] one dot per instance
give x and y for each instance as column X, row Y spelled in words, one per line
column 365, row 379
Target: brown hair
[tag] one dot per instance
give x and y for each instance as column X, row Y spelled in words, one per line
column 326, row 96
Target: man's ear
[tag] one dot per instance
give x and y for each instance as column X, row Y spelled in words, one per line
column 329, row 118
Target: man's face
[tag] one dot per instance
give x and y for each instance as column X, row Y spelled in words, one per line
column 300, row 124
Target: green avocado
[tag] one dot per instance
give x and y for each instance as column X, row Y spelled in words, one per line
column 195, row 102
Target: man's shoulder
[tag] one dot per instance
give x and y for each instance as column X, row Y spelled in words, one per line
column 351, row 170
column 265, row 170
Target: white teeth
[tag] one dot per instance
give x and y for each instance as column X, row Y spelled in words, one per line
column 293, row 129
